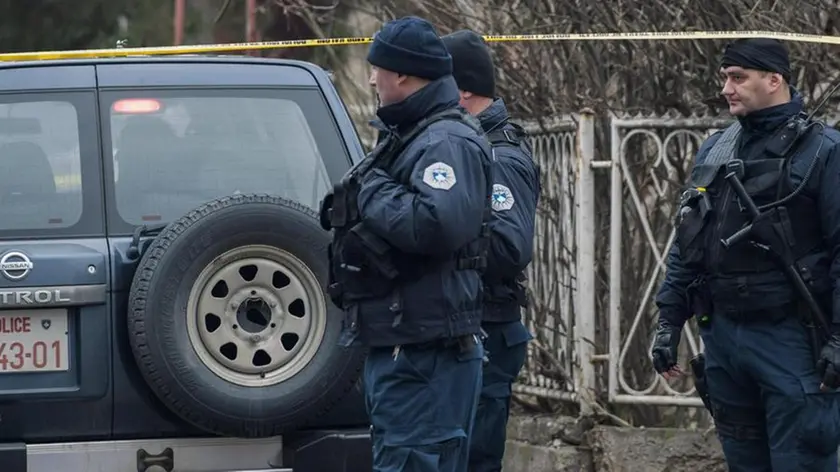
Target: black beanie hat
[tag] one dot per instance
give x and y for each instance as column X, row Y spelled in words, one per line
column 763, row 54
column 410, row 46
column 472, row 65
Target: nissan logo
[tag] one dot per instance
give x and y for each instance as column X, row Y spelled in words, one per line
column 15, row 265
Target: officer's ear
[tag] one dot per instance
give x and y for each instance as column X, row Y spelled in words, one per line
column 775, row 81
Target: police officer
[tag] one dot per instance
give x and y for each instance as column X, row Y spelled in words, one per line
column 411, row 226
column 763, row 371
column 516, row 189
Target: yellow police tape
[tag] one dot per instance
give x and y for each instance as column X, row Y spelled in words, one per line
column 299, row 43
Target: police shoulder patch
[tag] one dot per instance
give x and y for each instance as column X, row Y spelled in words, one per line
column 502, row 198
column 440, row 176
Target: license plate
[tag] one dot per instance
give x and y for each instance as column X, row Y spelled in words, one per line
column 33, row 341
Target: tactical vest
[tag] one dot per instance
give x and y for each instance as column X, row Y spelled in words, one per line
column 710, row 212
column 362, row 265
column 498, row 307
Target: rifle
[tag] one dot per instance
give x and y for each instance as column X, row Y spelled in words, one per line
column 735, row 171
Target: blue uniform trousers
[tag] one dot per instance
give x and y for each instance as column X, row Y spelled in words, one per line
column 422, row 401
column 769, row 413
column 506, row 345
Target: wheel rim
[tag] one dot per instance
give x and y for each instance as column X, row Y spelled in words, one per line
column 256, row 315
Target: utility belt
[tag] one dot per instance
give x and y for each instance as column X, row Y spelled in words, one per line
column 771, row 314
column 703, row 307
column 463, row 344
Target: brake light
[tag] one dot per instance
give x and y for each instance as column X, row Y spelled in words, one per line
column 133, row 106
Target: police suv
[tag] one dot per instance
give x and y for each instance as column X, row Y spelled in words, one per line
column 163, row 272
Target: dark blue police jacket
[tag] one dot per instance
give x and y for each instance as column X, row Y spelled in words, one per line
column 516, row 189
column 429, row 204
column 756, row 290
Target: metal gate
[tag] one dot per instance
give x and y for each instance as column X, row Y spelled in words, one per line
column 648, row 160
column 646, row 177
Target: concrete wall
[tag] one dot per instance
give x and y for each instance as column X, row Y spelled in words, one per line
column 535, row 445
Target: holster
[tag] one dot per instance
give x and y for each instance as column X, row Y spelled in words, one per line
column 467, row 343
column 698, row 370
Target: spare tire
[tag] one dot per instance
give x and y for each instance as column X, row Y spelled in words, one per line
column 229, row 322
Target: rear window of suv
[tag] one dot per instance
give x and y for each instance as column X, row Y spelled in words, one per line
column 40, row 164
column 171, row 151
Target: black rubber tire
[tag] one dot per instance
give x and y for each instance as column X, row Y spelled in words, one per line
column 158, row 317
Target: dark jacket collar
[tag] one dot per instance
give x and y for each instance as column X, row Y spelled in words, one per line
column 438, row 95
column 769, row 119
column 494, row 117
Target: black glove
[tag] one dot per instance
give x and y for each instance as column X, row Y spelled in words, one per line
column 665, row 346
column 828, row 366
